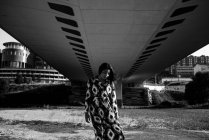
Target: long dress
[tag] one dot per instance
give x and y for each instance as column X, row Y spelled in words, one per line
column 101, row 104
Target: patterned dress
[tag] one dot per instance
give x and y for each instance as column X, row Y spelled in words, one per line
column 101, row 104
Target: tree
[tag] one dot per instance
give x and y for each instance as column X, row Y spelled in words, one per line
column 33, row 78
column 19, row 79
column 39, row 78
column 27, row 80
column 4, row 87
column 197, row 91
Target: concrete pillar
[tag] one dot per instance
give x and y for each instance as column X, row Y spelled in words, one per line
column 20, row 63
column 118, row 87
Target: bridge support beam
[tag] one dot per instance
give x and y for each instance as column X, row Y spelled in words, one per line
column 119, row 92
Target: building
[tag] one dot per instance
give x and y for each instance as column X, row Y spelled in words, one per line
column 0, row 58
column 201, row 68
column 175, row 80
column 34, row 61
column 35, row 75
column 185, row 67
column 14, row 55
column 184, row 71
column 16, row 60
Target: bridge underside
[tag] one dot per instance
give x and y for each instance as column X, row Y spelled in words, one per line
column 138, row 37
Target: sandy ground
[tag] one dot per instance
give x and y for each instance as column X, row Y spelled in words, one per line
column 69, row 124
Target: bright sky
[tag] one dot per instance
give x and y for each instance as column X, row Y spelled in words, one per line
column 203, row 51
column 5, row 37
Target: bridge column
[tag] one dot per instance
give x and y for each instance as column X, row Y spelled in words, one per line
column 119, row 93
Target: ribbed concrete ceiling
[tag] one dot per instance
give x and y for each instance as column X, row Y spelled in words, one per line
column 118, row 30
column 138, row 37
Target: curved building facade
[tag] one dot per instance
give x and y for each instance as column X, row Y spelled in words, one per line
column 17, row 60
column 36, row 75
column 14, row 55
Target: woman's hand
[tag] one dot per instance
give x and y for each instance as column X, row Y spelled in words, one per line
column 87, row 117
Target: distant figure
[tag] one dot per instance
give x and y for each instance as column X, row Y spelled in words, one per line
column 101, row 105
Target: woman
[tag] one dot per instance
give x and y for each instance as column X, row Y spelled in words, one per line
column 101, row 105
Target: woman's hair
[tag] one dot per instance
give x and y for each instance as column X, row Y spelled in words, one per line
column 105, row 66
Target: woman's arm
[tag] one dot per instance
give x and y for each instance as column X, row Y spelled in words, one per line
column 114, row 101
column 87, row 102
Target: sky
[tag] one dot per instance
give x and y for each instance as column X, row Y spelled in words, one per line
column 5, row 37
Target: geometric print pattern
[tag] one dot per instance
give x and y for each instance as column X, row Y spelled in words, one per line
column 101, row 104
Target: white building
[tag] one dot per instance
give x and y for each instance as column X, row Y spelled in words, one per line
column 175, row 79
column 178, row 86
column 184, row 71
column 201, row 68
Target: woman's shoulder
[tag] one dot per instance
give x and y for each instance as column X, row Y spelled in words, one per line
column 93, row 79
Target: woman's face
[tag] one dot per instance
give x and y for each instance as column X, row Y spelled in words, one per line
column 105, row 74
